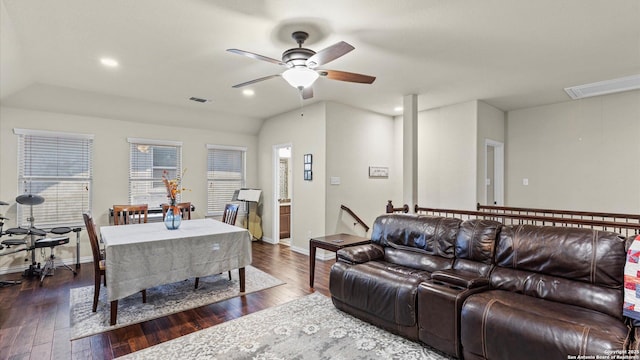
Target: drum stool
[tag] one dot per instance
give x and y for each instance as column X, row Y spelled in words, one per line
column 49, row 265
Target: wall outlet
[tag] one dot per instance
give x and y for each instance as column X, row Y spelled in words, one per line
column 525, row 181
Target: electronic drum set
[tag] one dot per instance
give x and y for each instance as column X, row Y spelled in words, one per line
column 32, row 238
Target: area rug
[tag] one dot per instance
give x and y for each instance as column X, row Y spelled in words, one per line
column 161, row 301
column 306, row 328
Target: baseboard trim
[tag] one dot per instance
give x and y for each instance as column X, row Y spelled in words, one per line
column 268, row 240
column 321, row 254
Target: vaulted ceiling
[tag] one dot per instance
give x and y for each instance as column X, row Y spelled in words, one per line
column 509, row 53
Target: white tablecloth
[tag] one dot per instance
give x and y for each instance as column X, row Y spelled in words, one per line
column 140, row 256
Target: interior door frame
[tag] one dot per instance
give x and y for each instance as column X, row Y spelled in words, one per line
column 276, row 184
column 498, row 170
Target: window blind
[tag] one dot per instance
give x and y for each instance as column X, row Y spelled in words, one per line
column 149, row 159
column 225, row 175
column 58, row 167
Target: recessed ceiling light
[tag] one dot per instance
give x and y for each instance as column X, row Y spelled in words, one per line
column 248, row 92
column 398, row 108
column 109, row 62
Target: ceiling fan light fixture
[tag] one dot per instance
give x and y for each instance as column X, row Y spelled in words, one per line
column 300, row 77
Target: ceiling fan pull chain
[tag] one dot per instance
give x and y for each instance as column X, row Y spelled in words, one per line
column 300, row 89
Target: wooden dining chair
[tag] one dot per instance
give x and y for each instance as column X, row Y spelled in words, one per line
column 230, row 213
column 130, row 214
column 99, row 267
column 229, row 217
column 184, row 207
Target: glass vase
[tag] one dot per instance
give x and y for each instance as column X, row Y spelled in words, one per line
column 172, row 220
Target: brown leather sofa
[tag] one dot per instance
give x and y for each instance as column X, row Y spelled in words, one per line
column 556, row 291
column 477, row 290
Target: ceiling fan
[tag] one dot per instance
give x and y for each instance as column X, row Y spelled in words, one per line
column 303, row 63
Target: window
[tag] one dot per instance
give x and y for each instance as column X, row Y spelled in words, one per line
column 149, row 159
column 58, row 167
column 225, row 175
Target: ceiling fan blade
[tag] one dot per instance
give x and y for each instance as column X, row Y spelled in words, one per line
column 307, row 93
column 256, row 80
column 347, row 76
column 256, row 56
column 328, row 54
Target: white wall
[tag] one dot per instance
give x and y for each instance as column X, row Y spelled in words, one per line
column 491, row 126
column 305, row 129
column 111, row 161
column 357, row 139
column 577, row 155
column 14, row 70
column 447, row 147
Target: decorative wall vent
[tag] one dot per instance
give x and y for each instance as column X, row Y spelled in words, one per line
column 200, row 100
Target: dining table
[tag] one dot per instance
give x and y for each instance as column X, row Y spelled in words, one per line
column 142, row 256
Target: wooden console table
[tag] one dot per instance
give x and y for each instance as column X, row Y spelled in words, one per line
column 331, row 243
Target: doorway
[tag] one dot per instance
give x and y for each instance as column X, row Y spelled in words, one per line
column 494, row 172
column 282, row 193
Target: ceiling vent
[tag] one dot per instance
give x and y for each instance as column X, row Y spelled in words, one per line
column 604, row 87
column 200, row 100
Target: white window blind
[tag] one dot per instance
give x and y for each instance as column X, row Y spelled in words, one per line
column 58, row 167
column 225, row 175
column 149, row 159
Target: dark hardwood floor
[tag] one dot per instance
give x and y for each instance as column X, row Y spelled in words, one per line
column 34, row 320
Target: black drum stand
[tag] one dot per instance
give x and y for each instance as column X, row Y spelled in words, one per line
column 35, row 269
column 4, row 283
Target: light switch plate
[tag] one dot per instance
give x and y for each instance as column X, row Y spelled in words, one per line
column 335, row 180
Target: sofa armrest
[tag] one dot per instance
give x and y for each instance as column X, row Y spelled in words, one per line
column 460, row 278
column 360, row 253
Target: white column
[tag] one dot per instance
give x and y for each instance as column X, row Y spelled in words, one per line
column 410, row 151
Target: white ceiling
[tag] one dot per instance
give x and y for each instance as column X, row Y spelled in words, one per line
column 509, row 53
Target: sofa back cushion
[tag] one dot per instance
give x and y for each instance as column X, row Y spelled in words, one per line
column 422, row 234
column 587, row 255
column 599, row 298
column 420, row 242
column 477, row 240
column 475, row 246
column 562, row 264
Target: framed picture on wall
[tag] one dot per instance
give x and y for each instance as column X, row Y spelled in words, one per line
column 308, row 175
column 378, row 172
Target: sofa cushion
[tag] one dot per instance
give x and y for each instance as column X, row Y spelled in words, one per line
column 415, row 260
column 599, row 298
column 383, row 290
column 423, row 234
column 505, row 325
column 476, row 240
column 591, row 256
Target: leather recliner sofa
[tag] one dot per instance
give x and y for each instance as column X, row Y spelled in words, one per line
column 555, row 292
column 478, row 290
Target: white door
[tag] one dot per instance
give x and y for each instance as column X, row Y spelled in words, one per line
column 282, row 193
column 494, row 172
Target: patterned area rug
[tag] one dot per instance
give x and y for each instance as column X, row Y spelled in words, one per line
column 306, row 328
column 161, row 301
